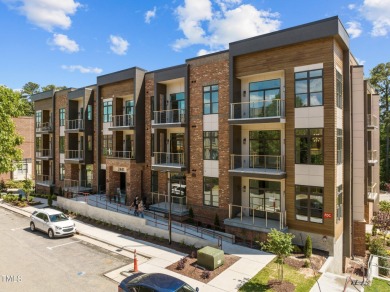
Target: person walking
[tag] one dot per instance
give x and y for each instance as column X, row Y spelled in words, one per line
column 135, row 205
column 141, row 209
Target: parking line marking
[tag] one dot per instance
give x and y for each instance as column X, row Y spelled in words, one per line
column 13, row 229
column 52, row 247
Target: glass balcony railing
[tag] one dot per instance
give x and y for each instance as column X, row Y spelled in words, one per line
column 372, row 121
column 171, row 159
column 372, row 156
column 77, row 124
column 77, row 186
column 176, row 116
column 42, row 179
column 43, row 153
column 44, row 127
column 74, row 154
column 261, row 163
column 120, row 154
column 122, row 121
column 255, row 110
column 372, row 191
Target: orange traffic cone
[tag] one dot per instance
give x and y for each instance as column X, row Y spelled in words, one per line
column 135, row 262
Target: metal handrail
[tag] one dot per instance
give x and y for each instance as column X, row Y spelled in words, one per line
column 168, row 158
column 281, row 214
column 74, row 154
column 174, row 116
column 258, row 109
column 77, row 124
column 74, row 185
column 253, row 161
column 43, row 179
column 182, row 200
column 120, row 154
column 43, row 153
column 372, row 155
column 122, row 120
column 372, row 120
column 47, row 126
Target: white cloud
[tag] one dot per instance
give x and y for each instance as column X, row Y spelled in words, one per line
column 82, row 69
column 46, row 14
column 150, row 14
column 64, row 43
column 360, row 62
column 354, row 29
column 378, row 13
column 216, row 26
column 351, row 6
column 203, row 52
column 118, row 45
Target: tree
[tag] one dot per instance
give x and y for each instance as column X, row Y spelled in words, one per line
column 53, row 87
column 382, row 222
column 30, row 88
column 27, row 187
column 380, row 79
column 281, row 245
column 308, row 249
column 11, row 106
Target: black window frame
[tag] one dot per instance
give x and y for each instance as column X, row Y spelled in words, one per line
column 107, row 141
column 62, row 171
column 62, row 116
column 308, row 92
column 208, row 90
column 339, row 151
column 210, row 180
column 106, row 114
column 213, row 152
column 300, row 136
column 89, row 112
column 310, row 192
column 61, row 144
column 339, row 202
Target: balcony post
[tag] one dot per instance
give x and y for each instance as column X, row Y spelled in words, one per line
column 230, row 211
column 266, row 219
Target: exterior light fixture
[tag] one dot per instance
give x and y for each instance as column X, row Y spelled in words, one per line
column 244, row 93
column 244, row 189
column 324, row 238
column 244, row 141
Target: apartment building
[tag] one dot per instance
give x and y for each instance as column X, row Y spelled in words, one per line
column 24, row 126
column 279, row 131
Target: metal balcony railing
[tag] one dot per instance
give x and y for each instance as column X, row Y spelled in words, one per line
column 257, row 162
column 255, row 110
column 179, row 203
column 74, row 154
column 44, row 127
column 77, row 124
column 165, row 158
column 76, row 186
column 122, row 121
column 120, row 154
column 43, row 153
column 372, row 191
column 176, row 116
column 42, row 179
column 246, row 215
column 372, row 156
column 372, row 121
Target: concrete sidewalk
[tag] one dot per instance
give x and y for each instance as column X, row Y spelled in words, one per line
column 154, row 258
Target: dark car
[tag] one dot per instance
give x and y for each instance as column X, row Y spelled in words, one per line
column 154, row 282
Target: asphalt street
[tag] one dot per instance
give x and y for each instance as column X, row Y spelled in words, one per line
column 30, row 261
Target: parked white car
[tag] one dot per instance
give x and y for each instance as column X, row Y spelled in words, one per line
column 52, row 222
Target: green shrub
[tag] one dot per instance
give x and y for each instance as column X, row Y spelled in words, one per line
column 384, row 206
column 308, row 250
column 306, row 264
column 377, row 247
column 374, row 230
column 297, row 249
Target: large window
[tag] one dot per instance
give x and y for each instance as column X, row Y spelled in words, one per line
column 62, row 117
column 90, row 143
column 309, row 146
column 38, row 167
column 62, row 171
column 89, row 112
column 339, row 146
column 210, row 145
column 265, row 149
column 38, row 144
column 339, row 89
column 264, row 196
column 211, row 191
column 210, row 99
column 309, row 202
column 154, row 183
column 339, row 203
column 308, row 88
column 38, row 119
column 62, row 144
column 107, row 145
column 107, row 111
column 264, row 97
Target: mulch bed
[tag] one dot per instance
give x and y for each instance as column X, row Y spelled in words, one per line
column 297, row 260
column 279, row 286
column 191, row 269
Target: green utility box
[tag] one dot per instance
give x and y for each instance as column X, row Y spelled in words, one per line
column 210, row 258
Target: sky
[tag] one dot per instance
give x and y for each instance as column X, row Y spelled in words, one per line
column 71, row 42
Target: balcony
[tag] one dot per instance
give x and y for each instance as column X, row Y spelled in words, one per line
column 160, row 203
column 74, row 125
column 261, row 166
column 76, row 186
column 43, row 180
column 41, row 128
column 44, row 154
column 257, row 219
column 267, row 111
column 122, row 122
column 169, row 118
column 168, row 161
column 372, row 122
column 372, row 192
column 120, row 154
column 372, row 157
column 74, row 156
